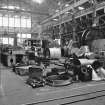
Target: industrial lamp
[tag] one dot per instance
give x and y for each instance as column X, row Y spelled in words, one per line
column 81, row 8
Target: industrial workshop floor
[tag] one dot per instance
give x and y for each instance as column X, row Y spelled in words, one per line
column 14, row 91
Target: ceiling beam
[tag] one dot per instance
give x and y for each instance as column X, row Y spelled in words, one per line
column 76, row 4
column 25, row 11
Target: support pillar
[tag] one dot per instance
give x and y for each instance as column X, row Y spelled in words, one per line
column 95, row 18
column 74, row 26
column 15, row 40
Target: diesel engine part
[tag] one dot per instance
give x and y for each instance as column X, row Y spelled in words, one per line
column 85, row 74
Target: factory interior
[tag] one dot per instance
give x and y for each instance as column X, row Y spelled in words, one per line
column 52, row 52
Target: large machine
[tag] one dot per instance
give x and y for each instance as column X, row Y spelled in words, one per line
column 10, row 55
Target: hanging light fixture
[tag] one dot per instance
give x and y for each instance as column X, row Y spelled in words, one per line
column 55, row 19
column 66, row 5
column 59, row 3
column 81, row 8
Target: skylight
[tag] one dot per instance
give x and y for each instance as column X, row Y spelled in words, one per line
column 38, row 1
column 12, row 7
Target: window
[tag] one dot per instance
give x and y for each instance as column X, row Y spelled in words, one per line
column 23, row 22
column 19, row 35
column 24, row 35
column 0, row 21
column 5, row 40
column 20, row 41
column 17, row 22
column 28, row 23
column 28, row 35
column 11, row 41
column 1, row 40
column 5, row 21
column 11, row 22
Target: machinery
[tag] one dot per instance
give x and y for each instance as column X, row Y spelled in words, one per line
column 91, row 34
column 36, row 78
column 80, row 68
column 10, row 55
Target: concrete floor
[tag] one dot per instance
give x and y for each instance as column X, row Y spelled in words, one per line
column 14, row 91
